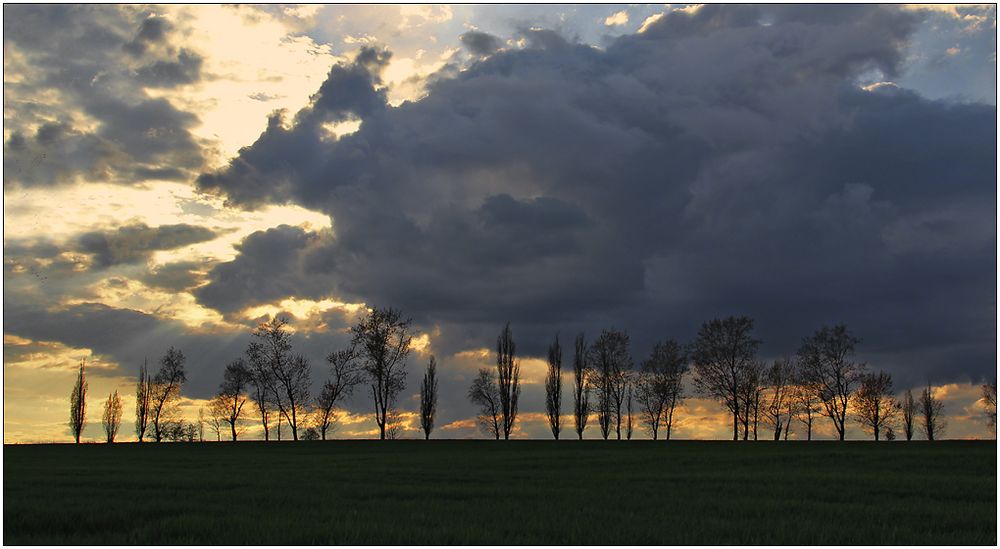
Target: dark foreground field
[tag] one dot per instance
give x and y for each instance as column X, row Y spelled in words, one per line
column 487, row 492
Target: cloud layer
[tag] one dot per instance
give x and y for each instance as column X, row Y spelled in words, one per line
column 724, row 160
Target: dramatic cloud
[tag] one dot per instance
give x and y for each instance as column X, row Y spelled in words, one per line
column 78, row 109
column 174, row 175
column 723, row 161
column 271, row 265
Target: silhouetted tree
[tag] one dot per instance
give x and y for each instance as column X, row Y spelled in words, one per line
column 628, row 406
column 216, row 418
column 260, row 393
column 779, row 408
column 553, row 387
column 111, row 420
column 508, row 380
column 143, row 400
column 166, row 390
column 180, row 431
column 826, row 361
column 721, row 354
column 345, row 375
column 232, row 395
column 485, row 394
column 310, row 434
column 78, row 404
column 394, row 424
column 874, row 406
column 990, row 403
column 909, row 409
column 610, row 364
column 808, row 405
column 201, row 424
column 428, row 398
column 932, row 424
column 382, row 343
column 659, row 386
column 286, row 375
column 581, row 388
column 751, row 391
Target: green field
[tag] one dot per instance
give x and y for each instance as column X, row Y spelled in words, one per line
column 488, row 492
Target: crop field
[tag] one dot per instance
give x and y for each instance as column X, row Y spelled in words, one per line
column 489, row 492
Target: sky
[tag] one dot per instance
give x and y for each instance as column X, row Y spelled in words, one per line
column 174, row 175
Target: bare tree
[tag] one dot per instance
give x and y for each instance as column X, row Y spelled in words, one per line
column 485, row 394
column 260, row 393
column 808, row 405
column 232, row 395
column 827, row 365
column 286, row 375
column 630, row 381
column 751, row 390
column 581, row 388
column 909, row 409
column 990, row 403
column 778, row 409
column 78, row 404
column 111, row 420
column 382, row 342
column 428, row 398
column 508, row 379
column 394, row 424
column 166, row 390
column 180, row 431
column 216, row 419
column 932, row 424
column 143, row 400
column 610, row 364
column 874, row 406
column 345, row 375
column 722, row 353
column 201, row 424
column 659, row 386
column 553, row 387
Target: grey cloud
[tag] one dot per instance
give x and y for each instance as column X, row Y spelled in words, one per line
column 86, row 55
column 129, row 336
column 134, row 243
column 152, row 30
column 260, row 173
column 722, row 162
column 271, row 265
column 480, row 43
column 186, row 69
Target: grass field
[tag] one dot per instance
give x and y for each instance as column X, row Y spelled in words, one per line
column 488, row 492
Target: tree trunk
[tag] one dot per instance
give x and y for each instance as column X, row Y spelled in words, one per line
column 233, row 427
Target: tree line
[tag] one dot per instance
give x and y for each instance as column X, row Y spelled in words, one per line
column 271, row 384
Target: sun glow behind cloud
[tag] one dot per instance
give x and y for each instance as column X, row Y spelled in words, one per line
column 257, row 60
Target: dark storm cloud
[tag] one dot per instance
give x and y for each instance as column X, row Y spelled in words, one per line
column 271, row 265
column 85, row 53
column 480, row 43
column 262, row 172
column 136, row 242
column 723, row 162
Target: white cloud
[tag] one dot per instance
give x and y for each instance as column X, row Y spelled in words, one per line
column 617, row 18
